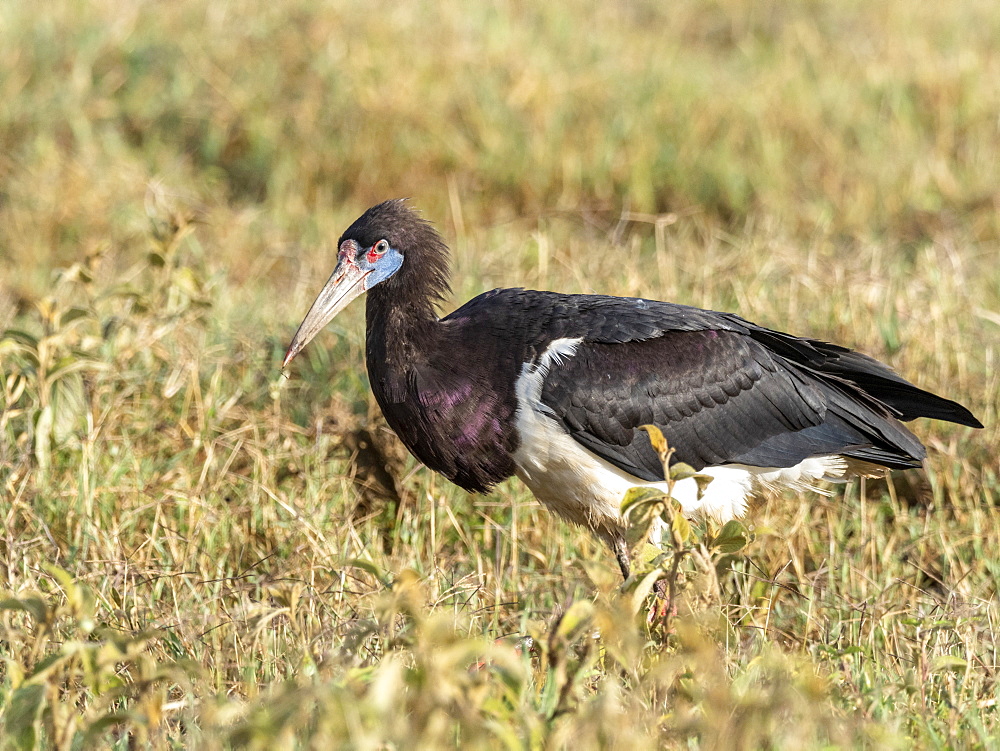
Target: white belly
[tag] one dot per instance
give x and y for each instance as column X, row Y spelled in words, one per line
column 588, row 490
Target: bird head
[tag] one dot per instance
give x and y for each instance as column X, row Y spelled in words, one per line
column 371, row 251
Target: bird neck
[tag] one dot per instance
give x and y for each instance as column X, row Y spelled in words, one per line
column 402, row 311
column 402, row 331
column 402, row 321
column 396, row 325
column 401, row 338
column 397, row 314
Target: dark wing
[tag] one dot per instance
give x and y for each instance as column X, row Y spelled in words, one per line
column 722, row 389
column 719, row 397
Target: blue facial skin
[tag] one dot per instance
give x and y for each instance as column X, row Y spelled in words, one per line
column 384, row 266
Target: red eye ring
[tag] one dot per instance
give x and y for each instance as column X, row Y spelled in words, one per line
column 377, row 250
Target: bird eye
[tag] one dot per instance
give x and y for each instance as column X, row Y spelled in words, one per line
column 377, row 250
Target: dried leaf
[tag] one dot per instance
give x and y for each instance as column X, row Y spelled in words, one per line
column 43, row 436
column 659, row 443
column 703, row 483
column 68, row 404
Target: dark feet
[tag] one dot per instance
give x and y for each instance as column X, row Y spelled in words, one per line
column 621, row 554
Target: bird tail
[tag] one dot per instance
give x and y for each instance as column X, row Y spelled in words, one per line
column 902, row 396
column 905, row 400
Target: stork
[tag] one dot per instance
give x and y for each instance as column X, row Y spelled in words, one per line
column 554, row 387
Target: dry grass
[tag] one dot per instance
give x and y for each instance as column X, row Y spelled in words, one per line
column 183, row 563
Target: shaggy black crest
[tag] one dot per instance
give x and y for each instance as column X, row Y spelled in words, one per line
column 423, row 280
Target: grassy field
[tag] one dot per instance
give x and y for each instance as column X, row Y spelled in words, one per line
column 196, row 551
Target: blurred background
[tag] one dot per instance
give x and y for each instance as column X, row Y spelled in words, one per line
column 274, row 124
column 173, row 180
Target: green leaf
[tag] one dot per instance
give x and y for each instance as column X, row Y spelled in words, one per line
column 947, row 623
column 370, row 568
column 102, row 725
column 764, row 530
column 637, row 496
column 549, row 698
column 602, row 575
column 643, row 588
column 681, row 528
column 36, row 606
column 575, row 621
column 21, row 337
column 948, row 662
column 20, row 719
column 53, row 662
column 640, row 521
column 72, row 364
column 80, row 598
column 648, row 554
column 73, row 314
column 186, row 281
column 732, row 538
column 681, row 471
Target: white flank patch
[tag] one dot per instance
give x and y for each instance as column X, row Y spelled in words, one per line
column 586, row 489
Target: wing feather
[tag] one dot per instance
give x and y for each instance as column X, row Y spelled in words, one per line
column 722, row 389
column 719, row 397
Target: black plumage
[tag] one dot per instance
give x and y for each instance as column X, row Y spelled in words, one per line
column 722, row 390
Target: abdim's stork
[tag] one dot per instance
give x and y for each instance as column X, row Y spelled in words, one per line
column 554, row 387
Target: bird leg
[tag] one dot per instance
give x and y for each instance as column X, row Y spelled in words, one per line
column 660, row 587
column 620, row 548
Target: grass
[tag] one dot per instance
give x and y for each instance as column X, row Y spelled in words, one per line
column 188, row 557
